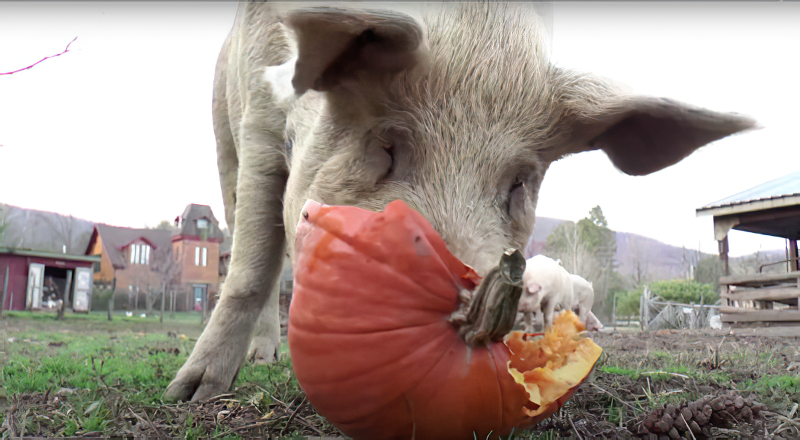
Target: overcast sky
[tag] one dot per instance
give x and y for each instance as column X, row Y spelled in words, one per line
column 119, row 129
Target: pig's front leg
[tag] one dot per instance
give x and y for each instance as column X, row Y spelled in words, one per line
column 258, row 247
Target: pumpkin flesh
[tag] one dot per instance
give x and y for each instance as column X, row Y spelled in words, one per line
column 374, row 351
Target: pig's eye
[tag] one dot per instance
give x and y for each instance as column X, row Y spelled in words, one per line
column 390, row 152
column 380, row 160
column 516, row 197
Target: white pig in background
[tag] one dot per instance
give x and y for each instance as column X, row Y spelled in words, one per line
column 582, row 297
column 546, row 286
column 592, row 323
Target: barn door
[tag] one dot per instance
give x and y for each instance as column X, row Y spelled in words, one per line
column 33, row 301
column 82, row 296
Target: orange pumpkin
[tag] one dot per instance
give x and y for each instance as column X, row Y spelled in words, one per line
column 374, row 351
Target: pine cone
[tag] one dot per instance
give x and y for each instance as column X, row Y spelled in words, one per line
column 700, row 417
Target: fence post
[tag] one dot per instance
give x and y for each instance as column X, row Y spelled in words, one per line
column 614, row 311
column 5, row 288
column 111, row 300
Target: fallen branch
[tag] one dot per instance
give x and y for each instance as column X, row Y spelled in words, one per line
column 45, row 58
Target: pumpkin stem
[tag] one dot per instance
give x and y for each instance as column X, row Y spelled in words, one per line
column 489, row 313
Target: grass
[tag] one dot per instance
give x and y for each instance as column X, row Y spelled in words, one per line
column 94, row 376
column 87, row 375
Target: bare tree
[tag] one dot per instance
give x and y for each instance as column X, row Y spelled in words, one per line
column 45, row 58
column 639, row 258
column 169, row 268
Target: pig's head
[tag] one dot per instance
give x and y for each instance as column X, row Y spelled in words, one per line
column 531, row 299
column 460, row 117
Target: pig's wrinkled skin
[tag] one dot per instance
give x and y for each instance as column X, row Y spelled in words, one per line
column 582, row 297
column 547, row 286
column 459, row 114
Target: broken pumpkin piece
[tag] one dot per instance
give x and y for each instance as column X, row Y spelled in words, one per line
column 567, row 356
column 376, row 352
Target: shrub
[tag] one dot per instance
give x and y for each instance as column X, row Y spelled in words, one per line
column 685, row 291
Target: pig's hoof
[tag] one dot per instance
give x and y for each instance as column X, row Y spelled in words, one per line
column 198, row 383
column 210, row 371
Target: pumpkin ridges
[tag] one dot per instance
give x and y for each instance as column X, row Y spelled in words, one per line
column 384, row 400
column 369, row 235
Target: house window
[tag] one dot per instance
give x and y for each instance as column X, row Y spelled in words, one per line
column 140, row 254
column 196, row 256
column 202, row 223
column 205, row 257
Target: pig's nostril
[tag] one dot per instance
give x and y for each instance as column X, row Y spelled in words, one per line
column 305, row 215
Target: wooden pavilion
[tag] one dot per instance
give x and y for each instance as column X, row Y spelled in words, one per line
column 772, row 208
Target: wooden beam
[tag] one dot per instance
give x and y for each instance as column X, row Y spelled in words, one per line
column 754, row 278
column 765, row 294
column 723, row 255
column 793, row 255
column 731, row 314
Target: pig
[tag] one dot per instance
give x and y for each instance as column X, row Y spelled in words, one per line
column 547, row 286
column 582, row 297
column 457, row 111
column 592, row 323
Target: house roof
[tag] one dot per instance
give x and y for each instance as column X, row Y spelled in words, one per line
column 781, row 192
column 48, row 254
column 189, row 218
column 116, row 238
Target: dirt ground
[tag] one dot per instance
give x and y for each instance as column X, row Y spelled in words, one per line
column 643, row 376
column 655, row 385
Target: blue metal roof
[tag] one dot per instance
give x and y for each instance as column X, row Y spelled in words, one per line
column 788, row 185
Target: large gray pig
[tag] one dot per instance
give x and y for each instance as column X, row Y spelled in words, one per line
column 458, row 113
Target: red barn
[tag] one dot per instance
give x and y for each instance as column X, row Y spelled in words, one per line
column 28, row 269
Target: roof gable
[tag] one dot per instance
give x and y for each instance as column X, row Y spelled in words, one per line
column 115, row 239
column 191, row 214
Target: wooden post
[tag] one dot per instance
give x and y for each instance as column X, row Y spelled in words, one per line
column 793, row 263
column 111, row 300
column 5, row 288
column 136, row 300
column 172, row 303
column 614, row 311
column 723, row 255
column 67, row 286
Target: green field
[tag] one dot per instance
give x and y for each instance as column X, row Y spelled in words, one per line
column 86, row 376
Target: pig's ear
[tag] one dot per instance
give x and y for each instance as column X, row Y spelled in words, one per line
column 338, row 48
column 640, row 134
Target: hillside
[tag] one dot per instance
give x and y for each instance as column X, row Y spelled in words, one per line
column 33, row 229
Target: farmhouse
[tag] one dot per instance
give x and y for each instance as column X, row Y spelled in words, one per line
column 772, row 208
column 185, row 261
column 25, row 275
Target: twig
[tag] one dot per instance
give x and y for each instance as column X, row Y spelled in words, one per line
column 153, row 427
column 687, row 425
column 289, row 422
column 45, row 58
column 664, row 372
column 615, row 397
column 574, row 428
